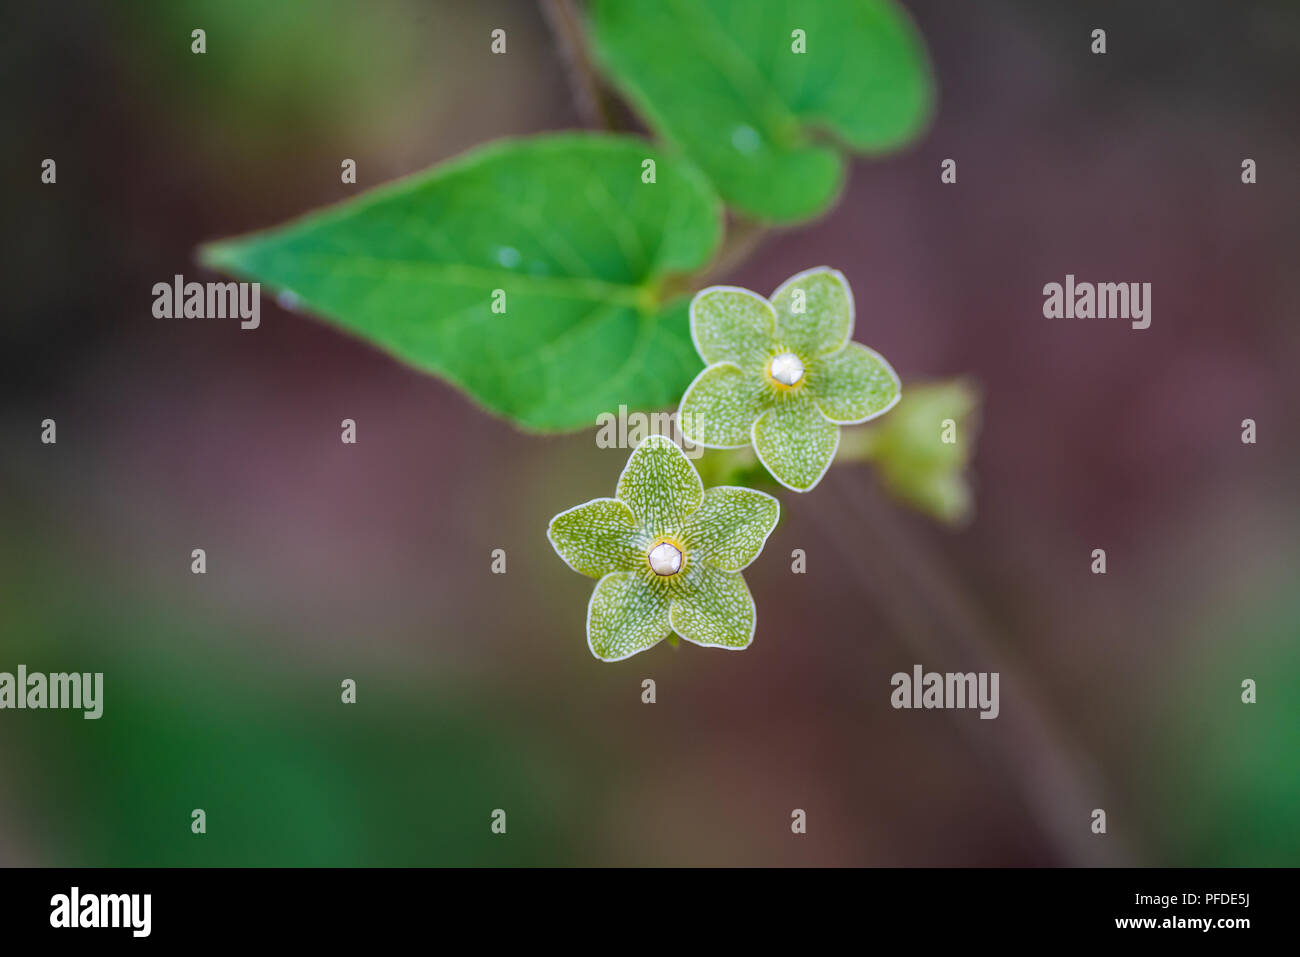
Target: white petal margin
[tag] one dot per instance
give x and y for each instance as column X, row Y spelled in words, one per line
column 816, row 339
column 660, row 485
column 732, row 525
column 626, row 615
column 596, row 537
column 851, row 382
column 796, row 444
column 718, row 408
column 729, row 324
column 718, row 613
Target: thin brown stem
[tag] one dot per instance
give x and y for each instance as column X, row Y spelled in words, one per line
column 744, row 236
column 595, row 103
column 934, row 616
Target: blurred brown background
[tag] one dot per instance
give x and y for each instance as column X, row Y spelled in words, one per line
column 477, row 691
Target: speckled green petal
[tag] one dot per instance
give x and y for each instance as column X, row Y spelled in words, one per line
column 718, row 611
column 854, row 384
column 627, row 614
column 660, row 485
column 596, row 537
column 796, row 443
column 827, row 320
column 730, row 324
column 731, row 526
column 720, row 406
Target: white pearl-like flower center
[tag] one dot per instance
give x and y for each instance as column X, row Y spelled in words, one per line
column 665, row 559
column 786, row 368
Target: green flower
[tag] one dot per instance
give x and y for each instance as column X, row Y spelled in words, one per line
column 783, row 374
column 668, row 554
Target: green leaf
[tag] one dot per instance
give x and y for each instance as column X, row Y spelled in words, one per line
column 562, row 225
column 720, row 79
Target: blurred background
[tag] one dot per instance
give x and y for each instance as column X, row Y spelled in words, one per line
column 477, row 691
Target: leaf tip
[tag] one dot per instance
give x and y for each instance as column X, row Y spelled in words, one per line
column 219, row 254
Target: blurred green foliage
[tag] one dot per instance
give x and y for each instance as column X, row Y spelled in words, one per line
column 1224, row 776
column 287, row 774
column 282, row 68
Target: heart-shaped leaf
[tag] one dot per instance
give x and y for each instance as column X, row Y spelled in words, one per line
column 528, row 273
column 743, row 86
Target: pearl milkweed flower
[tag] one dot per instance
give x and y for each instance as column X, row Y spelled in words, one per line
column 783, row 374
column 668, row 555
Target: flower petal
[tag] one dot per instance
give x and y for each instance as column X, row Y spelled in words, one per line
column 720, row 406
column 853, row 385
column 730, row 324
column 627, row 614
column 796, row 443
column 826, row 320
column 660, row 485
column 731, row 526
column 596, row 537
column 718, row 611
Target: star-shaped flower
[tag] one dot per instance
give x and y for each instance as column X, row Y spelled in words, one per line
column 668, row 554
column 783, row 374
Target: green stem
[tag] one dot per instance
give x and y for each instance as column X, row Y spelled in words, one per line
column 857, row 444
column 721, row 466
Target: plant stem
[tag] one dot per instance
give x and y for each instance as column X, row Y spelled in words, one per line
column 856, row 445
column 720, row 466
column 744, row 236
column 595, row 104
column 938, row 621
